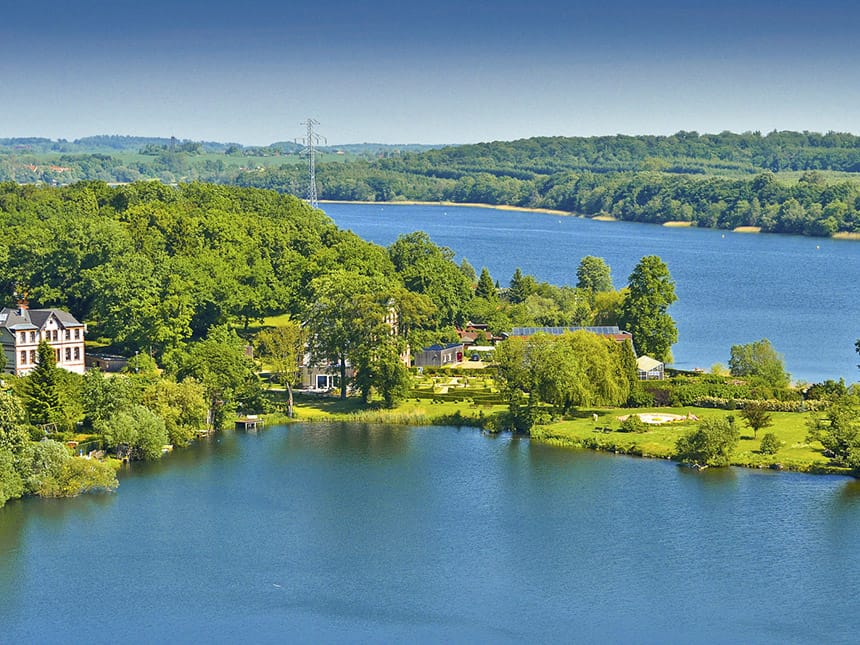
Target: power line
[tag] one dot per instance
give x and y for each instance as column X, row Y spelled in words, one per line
column 310, row 141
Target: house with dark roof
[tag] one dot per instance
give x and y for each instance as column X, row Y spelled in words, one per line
column 22, row 329
column 439, row 355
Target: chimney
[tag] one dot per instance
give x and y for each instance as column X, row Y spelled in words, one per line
column 23, row 305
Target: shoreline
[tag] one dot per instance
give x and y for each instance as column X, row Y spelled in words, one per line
column 845, row 235
column 647, row 445
column 499, row 207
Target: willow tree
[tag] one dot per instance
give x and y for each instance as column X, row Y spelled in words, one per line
column 568, row 371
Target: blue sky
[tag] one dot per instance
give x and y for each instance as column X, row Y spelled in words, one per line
column 436, row 72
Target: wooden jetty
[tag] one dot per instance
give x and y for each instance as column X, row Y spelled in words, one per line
column 250, row 423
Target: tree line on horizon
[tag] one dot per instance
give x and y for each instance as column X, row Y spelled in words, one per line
column 721, row 180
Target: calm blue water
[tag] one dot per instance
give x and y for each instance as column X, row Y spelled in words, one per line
column 800, row 293
column 335, row 533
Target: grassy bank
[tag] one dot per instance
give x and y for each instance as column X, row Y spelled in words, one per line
column 474, row 401
column 659, row 441
column 414, row 411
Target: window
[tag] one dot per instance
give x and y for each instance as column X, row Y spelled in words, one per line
column 32, row 355
column 23, row 337
column 77, row 334
column 68, row 334
column 23, row 358
column 32, row 337
column 77, row 353
column 68, row 353
column 57, row 355
column 54, row 334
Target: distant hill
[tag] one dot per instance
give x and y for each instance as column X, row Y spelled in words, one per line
column 788, row 182
column 124, row 143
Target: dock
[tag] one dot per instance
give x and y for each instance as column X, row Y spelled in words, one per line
column 250, row 423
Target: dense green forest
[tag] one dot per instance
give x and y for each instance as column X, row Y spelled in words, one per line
column 782, row 182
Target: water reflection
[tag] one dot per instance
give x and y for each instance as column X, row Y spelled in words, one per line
column 362, row 440
column 710, row 478
column 368, row 532
column 849, row 494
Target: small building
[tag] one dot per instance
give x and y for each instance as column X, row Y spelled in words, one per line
column 22, row 329
column 439, row 355
column 106, row 362
column 649, row 369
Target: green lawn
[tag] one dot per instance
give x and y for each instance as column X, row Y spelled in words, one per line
column 789, row 428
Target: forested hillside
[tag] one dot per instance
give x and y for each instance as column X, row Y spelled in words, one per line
column 783, row 182
column 153, row 266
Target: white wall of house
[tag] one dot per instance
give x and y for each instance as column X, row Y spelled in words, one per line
column 21, row 344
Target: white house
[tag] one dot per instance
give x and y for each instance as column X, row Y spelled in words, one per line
column 22, row 329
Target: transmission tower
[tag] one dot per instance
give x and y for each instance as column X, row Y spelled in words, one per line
column 310, row 141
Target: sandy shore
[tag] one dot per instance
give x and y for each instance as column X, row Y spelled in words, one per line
column 549, row 211
column 498, row 207
column 747, row 229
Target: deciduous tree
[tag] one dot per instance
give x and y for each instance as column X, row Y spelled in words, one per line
column 759, row 360
column 757, row 416
column 593, row 275
column 644, row 312
column 348, row 311
column 283, row 347
column 711, row 444
column 220, row 364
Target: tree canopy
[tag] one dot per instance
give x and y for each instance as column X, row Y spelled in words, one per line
column 759, row 360
column 593, row 275
column 644, row 312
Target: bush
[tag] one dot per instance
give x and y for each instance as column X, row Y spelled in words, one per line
column 769, row 444
column 640, row 398
column 711, row 444
column 633, row 424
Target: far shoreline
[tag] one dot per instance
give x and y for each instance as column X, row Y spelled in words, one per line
column 597, row 218
column 499, row 207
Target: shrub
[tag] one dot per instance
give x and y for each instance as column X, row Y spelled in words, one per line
column 769, row 444
column 640, row 398
column 711, row 444
column 633, row 424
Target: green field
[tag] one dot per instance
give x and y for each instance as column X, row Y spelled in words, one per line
column 659, row 441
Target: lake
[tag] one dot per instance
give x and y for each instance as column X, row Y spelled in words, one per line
column 338, row 533
column 733, row 288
